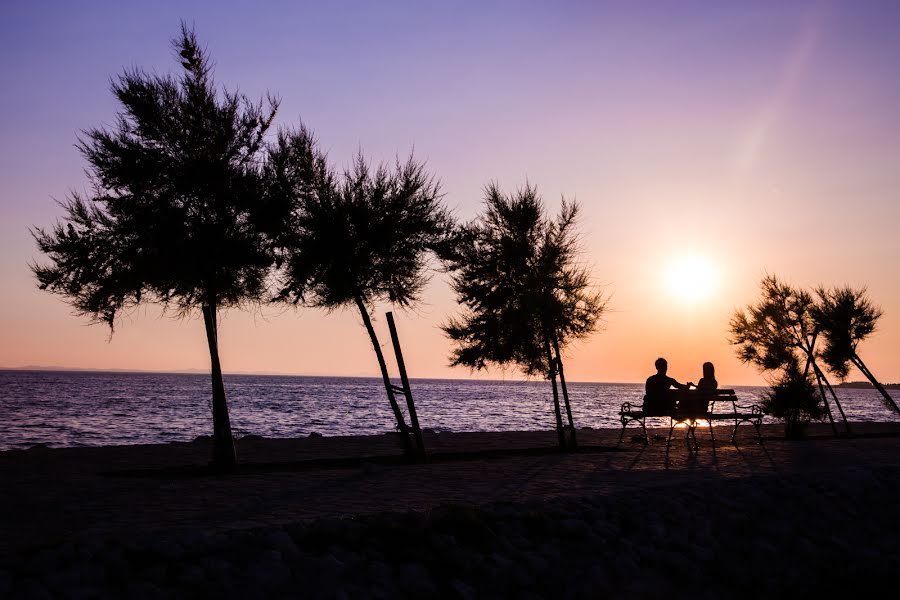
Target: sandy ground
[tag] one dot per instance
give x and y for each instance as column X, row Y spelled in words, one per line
column 492, row 514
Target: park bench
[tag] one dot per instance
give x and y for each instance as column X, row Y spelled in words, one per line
column 693, row 406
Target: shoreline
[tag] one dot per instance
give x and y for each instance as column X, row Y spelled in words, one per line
column 625, row 518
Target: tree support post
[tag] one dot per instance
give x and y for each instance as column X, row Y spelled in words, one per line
column 837, row 402
column 565, row 391
column 809, row 362
column 858, row 363
column 551, row 363
column 398, row 415
column 407, row 391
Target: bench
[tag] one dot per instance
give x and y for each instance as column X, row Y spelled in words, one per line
column 692, row 406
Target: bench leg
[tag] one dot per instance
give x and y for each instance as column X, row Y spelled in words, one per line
column 626, row 421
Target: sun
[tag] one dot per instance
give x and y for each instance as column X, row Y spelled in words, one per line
column 691, row 278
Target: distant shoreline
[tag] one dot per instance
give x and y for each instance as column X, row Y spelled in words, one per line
column 866, row 385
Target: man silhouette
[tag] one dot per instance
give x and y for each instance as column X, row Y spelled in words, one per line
column 660, row 399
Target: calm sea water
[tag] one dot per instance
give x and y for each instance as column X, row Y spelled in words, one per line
column 96, row 408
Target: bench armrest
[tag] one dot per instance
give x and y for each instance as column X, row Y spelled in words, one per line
column 628, row 407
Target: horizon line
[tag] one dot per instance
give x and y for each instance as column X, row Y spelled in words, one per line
column 62, row 369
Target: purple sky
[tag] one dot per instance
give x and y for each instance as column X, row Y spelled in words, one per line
column 763, row 137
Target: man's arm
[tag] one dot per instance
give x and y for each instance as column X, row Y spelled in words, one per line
column 676, row 385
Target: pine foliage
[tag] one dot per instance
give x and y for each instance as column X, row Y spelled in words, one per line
column 365, row 234
column 845, row 316
column 770, row 333
column 177, row 212
column 517, row 275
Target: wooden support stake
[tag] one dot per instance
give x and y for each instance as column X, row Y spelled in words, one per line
column 404, row 380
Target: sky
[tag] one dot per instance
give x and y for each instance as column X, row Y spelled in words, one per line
column 707, row 142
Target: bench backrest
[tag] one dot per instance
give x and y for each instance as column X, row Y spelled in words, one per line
column 686, row 404
column 694, row 403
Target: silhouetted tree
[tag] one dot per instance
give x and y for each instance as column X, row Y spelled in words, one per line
column 794, row 399
column 774, row 332
column 176, row 212
column 524, row 293
column 358, row 238
column 845, row 317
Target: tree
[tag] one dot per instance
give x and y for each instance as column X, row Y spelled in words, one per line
column 794, row 399
column 774, row 332
column 357, row 238
column 846, row 317
column 177, row 213
column 525, row 296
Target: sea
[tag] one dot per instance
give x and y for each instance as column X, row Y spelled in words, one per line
column 92, row 408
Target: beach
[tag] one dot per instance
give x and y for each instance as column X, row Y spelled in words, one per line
column 500, row 514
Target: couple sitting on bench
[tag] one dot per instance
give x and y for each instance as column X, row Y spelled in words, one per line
column 666, row 397
column 662, row 391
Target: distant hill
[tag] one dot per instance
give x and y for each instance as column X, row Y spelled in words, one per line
column 866, row 384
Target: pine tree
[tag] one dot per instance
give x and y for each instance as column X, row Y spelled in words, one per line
column 524, row 294
column 177, row 214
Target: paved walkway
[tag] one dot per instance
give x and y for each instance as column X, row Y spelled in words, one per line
column 49, row 496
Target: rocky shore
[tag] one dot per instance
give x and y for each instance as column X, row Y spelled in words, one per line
column 811, row 518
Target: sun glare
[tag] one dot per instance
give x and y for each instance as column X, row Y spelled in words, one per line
column 691, row 278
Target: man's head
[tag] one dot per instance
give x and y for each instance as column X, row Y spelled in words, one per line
column 661, row 366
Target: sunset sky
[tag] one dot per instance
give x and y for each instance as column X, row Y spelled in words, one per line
column 710, row 141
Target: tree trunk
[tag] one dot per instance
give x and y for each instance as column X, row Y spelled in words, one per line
column 224, row 456
column 809, row 362
column 561, row 435
column 565, row 391
column 857, row 361
column 820, row 374
column 401, row 423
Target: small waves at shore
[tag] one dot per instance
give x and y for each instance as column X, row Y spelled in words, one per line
column 66, row 409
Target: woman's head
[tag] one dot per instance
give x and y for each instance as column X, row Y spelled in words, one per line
column 709, row 370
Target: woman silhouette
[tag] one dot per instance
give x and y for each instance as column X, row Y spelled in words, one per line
column 708, row 382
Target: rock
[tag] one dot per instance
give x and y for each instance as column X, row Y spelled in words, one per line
column 270, row 569
column 329, row 564
column 32, row 589
column 218, row 569
column 415, row 580
column 154, row 573
column 512, row 572
column 191, row 575
column 379, row 573
column 574, row 527
column 464, row 590
column 280, row 540
column 144, row 590
column 314, row 434
column 168, row 549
